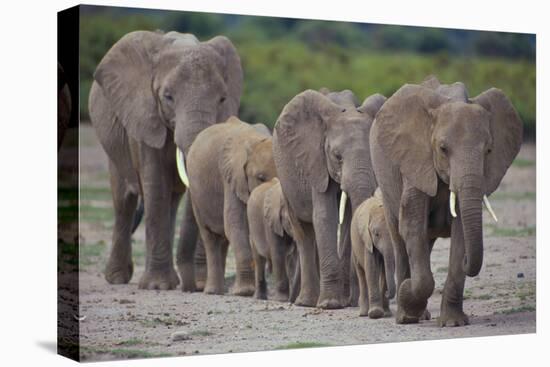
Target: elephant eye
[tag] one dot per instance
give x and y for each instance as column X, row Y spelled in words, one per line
column 489, row 150
column 222, row 99
column 338, row 157
column 261, row 177
column 443, row 148
column 167, row 96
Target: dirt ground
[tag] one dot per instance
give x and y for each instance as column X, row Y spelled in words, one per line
column 124, row 322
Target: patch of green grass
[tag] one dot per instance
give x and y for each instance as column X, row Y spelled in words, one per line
column 297, row 345
column 442, row 269
column 527, row 195
column 95, row 193
column 483, row 297
column 511, row 232
column 90, row 213
column 130, row 342
column 525, row 308
column 520, row 162
column 126, row 353
column 91, row 252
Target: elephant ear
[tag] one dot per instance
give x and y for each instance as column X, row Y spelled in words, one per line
column 234, row 156
column 507, row 131
column 403, row 130
column 372, row 105
column 364, row 222
column 232, row 74
column 300, row 131
column 272, row 210
column 125, row 75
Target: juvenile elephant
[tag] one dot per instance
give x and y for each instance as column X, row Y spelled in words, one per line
column 271, row 241
column 225, row 163
column 152, row 94
column 434, row 149
column 321, row 151
column 372, row 256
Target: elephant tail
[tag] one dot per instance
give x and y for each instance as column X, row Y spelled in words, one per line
column 138, row 216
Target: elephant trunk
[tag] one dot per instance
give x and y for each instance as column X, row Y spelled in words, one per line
column 189, row 125
column 389, row 269
column 470, row 199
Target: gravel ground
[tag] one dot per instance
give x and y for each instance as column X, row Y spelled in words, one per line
column 123, row 322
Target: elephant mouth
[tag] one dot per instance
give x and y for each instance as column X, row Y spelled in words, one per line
column 452, row 206
column 180, row 163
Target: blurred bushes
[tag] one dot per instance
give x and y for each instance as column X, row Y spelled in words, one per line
column 283, row 56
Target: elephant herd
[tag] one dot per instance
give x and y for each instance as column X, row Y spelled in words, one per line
column 342, row 202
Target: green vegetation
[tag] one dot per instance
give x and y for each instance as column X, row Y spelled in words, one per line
column 297, row 345
column 527, row 195
column 282, row 57
column 525, row 308
column 511, row 232
column 125, row 353
column 520, row 162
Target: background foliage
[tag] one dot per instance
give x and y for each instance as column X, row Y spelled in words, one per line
column 283, row 56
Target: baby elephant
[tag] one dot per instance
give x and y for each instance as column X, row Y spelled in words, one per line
column 373, row 258
column 272, row 243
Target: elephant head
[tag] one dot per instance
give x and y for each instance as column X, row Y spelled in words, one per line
column 247, row 160
column 331, row 140
column 435, row 133
column 375, row 235
column 158, row 82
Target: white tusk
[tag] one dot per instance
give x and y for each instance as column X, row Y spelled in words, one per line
column 489, row 208
column 180, row 162
column 452, row 204
column 342, row 210
column 341, row 214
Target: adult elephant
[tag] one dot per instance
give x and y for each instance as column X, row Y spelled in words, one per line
column 152, row 94
column 430, row 145
column 321, row 150
column 225, row 163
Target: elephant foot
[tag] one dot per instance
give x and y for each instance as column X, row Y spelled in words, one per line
column 452, row 316
column 199, row 285
column 258, row 294
column 426, row 315
column 244, row 290
column 306, row 300
column 352, row 301
column 187, row 277
column 376, row 312
column 119, row 274
column 330, row 303
column 388, row 313
column 280, row 297
column 210, row 288
column 409, row 307
column 402, row 318
column 159, row 279
column 200, row 277
column 363, row 311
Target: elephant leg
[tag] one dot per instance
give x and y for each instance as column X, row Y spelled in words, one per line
column 402, row 269
column 384, row 290
column 413, row 226
column 293, row 272
column 325, row 223
column 353, row 285
column 160, row 214
column 186, row 252
column 452, row 313
column 278, row 248
column 200, row 265
column 213, row 244
column 372, row 274
column 309, row 275
column 363, row 299
column 259, row 269
column 236, row 230
column 225, row 249
column 119, row 267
